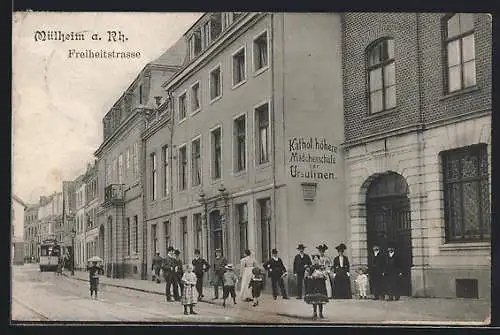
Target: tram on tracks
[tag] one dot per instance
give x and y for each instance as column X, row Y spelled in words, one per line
column 50, row 251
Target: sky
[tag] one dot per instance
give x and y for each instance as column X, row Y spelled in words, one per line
column 58, row 102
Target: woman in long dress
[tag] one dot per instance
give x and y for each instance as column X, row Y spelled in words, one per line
column 247, row 263
column 341, row 281
column 315, row 277
column 326, row 262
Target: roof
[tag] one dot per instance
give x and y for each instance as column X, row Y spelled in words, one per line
column 16, row 198
column 175, row 55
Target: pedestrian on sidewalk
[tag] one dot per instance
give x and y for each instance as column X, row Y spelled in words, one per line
column 94, row 272
column 189, row 282
column 394, row 273
column 157, row 262
column 341, row 275
column 59, row 266
column 316, row 295
column 230, row 280
column 247, row 263
column 327, row 263
column 300, row 262
column 200, row 266
column 169, row 275
column 220, row 263
column 256, row 284
column 178, row 271
column 376, row 272
column 277, row 271
column 362, row 283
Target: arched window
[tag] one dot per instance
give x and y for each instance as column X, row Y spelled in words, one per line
column 460, row 51
column 381, row 75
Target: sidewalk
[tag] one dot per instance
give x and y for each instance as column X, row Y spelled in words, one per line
column 407, row 310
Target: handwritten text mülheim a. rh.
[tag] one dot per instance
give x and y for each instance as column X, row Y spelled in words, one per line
column 57, row 35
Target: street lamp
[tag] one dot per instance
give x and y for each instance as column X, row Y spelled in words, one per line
column 73, row 235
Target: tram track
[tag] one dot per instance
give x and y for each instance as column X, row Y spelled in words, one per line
column 31, row 309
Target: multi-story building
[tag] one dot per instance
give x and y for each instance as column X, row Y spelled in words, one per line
column 67, row 227
column 417, row 97
column 80, row 223
column 249, row 157
column 17, row 229
column 120, row 159
column 31, row 239
column 50, row 216
column 94, row 243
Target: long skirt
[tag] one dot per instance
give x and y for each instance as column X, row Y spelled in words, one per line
column 188, row 294
column 316, row 291
column 245, row 291
column 94, row 284
column 329, row 284
column 342, row 286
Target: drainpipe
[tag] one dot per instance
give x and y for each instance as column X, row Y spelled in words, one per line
column 141, row 167
column 420, row 130
column 272, row 118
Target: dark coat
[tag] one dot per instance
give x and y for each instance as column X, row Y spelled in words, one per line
column 275, row 268
column 168, row 266
column 178, row 268
column 219, row 265
column 157, row 262
column 198, row 266
column 393, row 275
column 341, row 282
column 376, row 271
column 300, row 263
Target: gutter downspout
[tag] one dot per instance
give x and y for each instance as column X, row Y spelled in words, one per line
column 420, row 131
column 271, row 59
column 141, row 167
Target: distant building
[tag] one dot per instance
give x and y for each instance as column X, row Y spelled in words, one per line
column 80, row 226
column 93, row 245
column 31, row 236
column 17, row 232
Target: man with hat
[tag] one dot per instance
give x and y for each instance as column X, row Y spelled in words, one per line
column 341, row 275
column 277, row 272
column 178, row 270
column 220, row 263
column 393, row 273
column 300, row 262
column 200, row 266
column 376, row 271
column 169, row 274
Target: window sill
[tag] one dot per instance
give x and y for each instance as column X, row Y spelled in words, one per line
column 380, row 114
column 215, row 99
column 261, row 70
column 262, row 166
column 465, row 246
column 195, row 112
column 460, row 92
column 235, row 86
column 215, row 181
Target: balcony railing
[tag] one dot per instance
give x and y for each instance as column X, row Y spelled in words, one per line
column 114, row 193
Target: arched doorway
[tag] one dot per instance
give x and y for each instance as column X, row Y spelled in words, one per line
column 389, row 221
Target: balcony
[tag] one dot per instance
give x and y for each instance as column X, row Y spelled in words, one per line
column 114, row 194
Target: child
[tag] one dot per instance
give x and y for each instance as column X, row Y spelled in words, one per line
column 256, row 284
column 94, row 272
column 230, row 280
column 362, row 283
column 189, row 283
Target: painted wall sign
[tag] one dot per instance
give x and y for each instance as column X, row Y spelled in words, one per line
column 312, row 158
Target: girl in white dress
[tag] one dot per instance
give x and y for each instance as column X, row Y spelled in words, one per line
column 247, row 263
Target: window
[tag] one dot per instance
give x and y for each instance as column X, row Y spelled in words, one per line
column 461, row 63
column 215, row 83
column 382, row 76
column 196, row 162
column 206, row 34
column 239, row 73
column 140, row 94
column 154, row 176
column 166, row 172
column 184, row 234
column 216, row 154
column 108, row 173
column 154, row 238
column 136, row 233
column 195, row 44
column 240, row 143
column 166, row 230
column 182, row 106
column 227, row 20
column 182, row 168
column 136, row 160
column 242, row 219
column 128, row 236
column 260, row 52
column 215, row 26
column 114, row 168
column 198, row 231
column 466, row 194
column 262, row 121
column 120, row 169
column 265, row 227
column 195, row 98
column 127, row 161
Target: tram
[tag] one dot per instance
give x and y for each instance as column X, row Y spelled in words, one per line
column 50, row 251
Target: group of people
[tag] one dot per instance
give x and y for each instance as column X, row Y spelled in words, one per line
column 385, row 272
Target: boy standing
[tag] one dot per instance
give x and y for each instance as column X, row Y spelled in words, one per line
column 230, row 280
column 362, row 283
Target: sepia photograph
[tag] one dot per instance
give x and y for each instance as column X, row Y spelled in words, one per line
column 251, row 168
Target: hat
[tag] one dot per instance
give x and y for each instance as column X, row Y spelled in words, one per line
column 177, row 252
column 314, row 256
column 341, row 247
column 301, row 247
column 170, row 249
column 229, row 266
column 196, row 251
column 322, row 247
column 274, row 251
